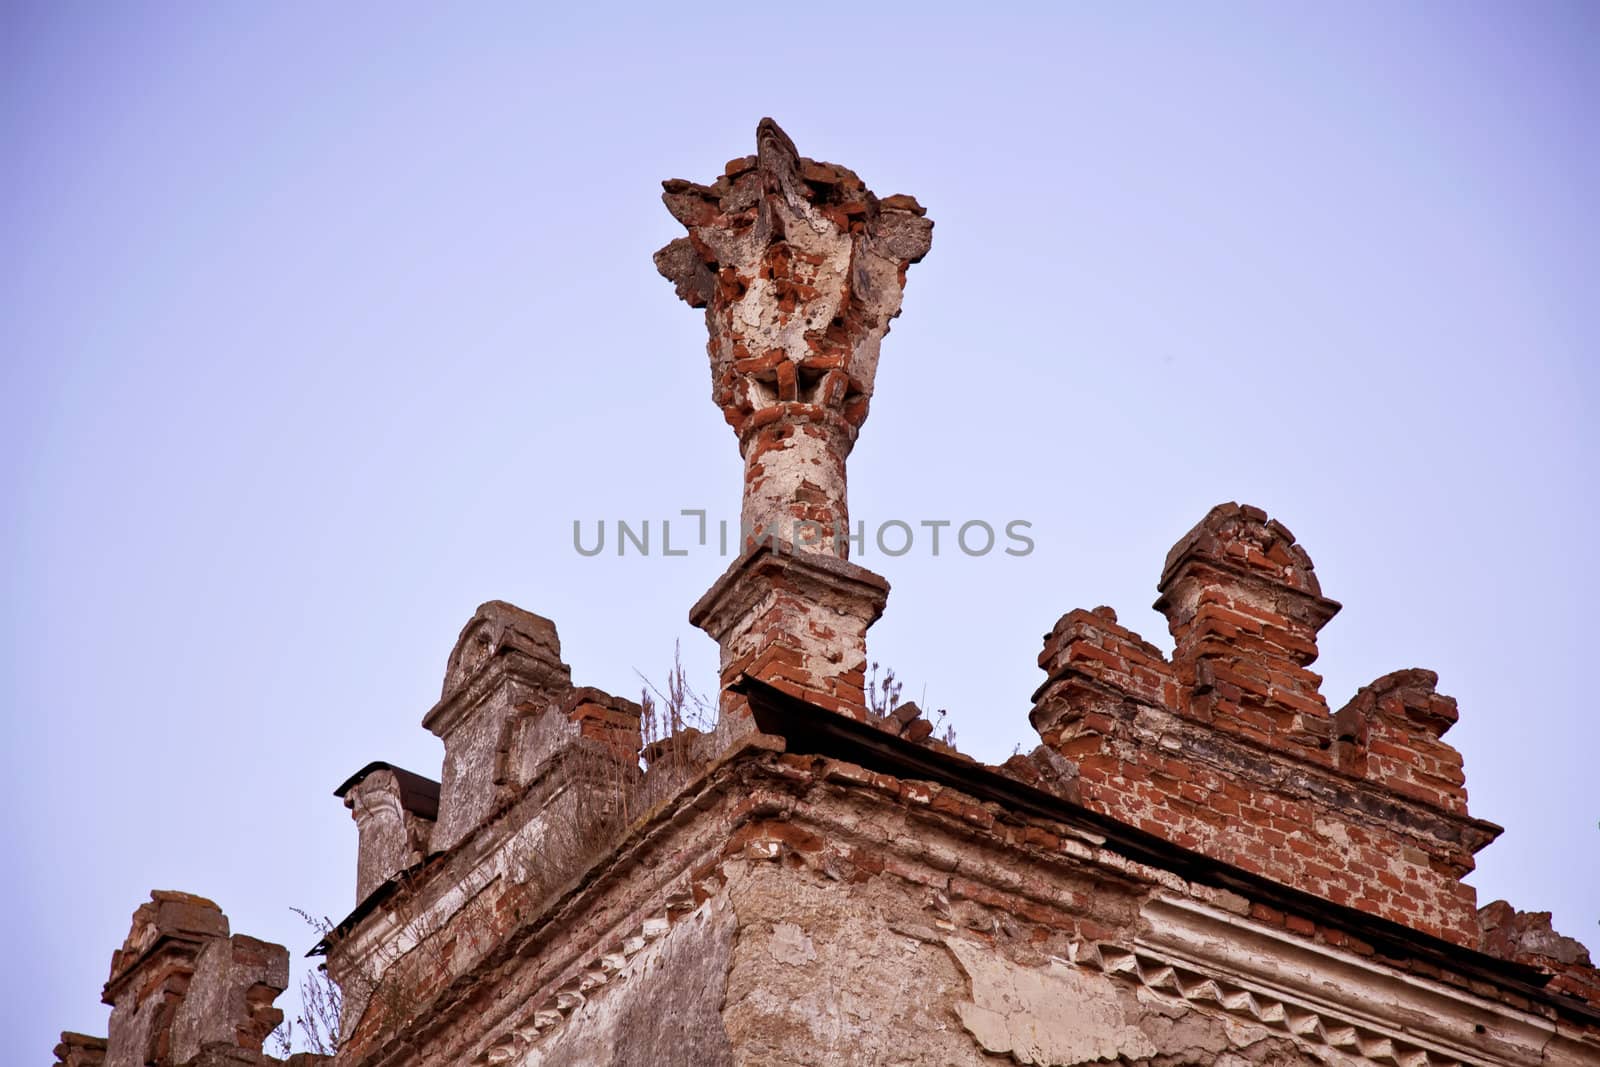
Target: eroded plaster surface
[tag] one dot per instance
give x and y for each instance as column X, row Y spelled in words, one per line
column 664, row 1005
column 1048, row 1015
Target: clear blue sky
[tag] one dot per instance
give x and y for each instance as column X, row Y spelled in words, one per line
column 320, row 326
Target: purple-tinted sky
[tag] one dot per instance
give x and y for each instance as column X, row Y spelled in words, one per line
column 320, row 325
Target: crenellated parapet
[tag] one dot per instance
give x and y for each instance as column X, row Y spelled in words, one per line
column 539, row 777
column 1228, row 747
column 1391, row 732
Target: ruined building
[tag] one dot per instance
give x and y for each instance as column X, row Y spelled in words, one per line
column 1202, row 861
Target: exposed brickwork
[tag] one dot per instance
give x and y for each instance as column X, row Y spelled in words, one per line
column 609, row 720
column 907, row 721
column 1390, row 732
column 1230, row 749
column 1244, row 607
column 840, row 877
column 551, row 772
column 796, row 621
column 800, row 268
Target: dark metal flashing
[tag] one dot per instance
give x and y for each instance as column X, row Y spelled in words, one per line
column 418, row 795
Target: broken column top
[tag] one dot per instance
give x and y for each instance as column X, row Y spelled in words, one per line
column 800, row 268
column 80, row 1050
column 1238, row 545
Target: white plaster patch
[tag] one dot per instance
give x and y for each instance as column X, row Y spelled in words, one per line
column 791, row 945
column 1052, row 1016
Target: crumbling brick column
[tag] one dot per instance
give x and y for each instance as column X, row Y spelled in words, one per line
column 180, row 985
column 505, row 659
column 800, row 269
column 614, row 722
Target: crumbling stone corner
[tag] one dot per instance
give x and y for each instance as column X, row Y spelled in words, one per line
column 181, row 986
column 1527, row 937
column 80, row 1050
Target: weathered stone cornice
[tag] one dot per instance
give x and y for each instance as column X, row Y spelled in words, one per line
column 818, row 579
column 1221, row 962
column 536, row 679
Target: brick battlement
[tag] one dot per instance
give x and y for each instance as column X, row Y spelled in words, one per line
column 1228, row 748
